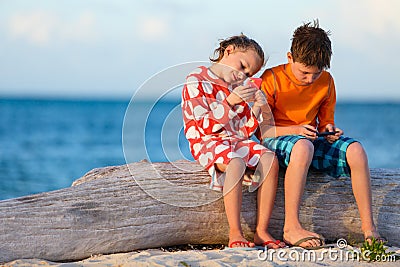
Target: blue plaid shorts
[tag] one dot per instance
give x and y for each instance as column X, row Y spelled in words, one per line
column 328, row 158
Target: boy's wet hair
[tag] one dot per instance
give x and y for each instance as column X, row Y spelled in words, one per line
column 241, row 42
column 311, row 46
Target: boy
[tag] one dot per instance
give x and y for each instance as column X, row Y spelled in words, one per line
column 301, row 95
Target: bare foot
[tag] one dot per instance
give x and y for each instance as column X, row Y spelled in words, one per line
column 263, row 238
column 292, row 236
column 369, row 234
column 238, row 241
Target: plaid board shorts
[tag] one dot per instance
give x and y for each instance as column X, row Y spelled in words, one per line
column 328, row 158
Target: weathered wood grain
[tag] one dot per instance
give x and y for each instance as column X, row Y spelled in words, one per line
column 143, row 205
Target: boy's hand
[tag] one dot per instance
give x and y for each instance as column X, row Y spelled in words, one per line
column 332, row 128
column 308, row 131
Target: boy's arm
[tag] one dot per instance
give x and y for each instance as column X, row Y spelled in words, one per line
column 308, row 131
column 326, row 113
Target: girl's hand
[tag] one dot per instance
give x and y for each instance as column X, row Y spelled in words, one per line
column 260, row 99
column 240, row 94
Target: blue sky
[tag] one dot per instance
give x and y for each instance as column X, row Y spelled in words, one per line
column 108, row 49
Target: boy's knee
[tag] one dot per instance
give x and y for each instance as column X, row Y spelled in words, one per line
column 303, row 147
column 302, row 153
column 355, row 150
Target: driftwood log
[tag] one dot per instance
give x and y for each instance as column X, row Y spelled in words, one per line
column 143, row 205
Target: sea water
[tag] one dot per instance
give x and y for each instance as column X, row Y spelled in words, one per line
column 47, row 144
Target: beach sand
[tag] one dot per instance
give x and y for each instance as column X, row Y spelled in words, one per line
column 219, row 257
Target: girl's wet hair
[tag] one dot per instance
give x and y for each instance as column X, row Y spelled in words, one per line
column 241, row 42
column 311, row 46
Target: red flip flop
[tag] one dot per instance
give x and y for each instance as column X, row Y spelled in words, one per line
column 241, row 243
column 240, row 248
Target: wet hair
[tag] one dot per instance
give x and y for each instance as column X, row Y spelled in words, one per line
column 311, row 46
column 241, row 42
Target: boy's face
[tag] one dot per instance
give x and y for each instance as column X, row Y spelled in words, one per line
column 304, row 74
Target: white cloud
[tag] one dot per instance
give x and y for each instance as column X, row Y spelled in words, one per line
column 381, row 17
column 151, row 28
column 41, row 28
column 362, row 22
column 83, row 28
column 36, row 27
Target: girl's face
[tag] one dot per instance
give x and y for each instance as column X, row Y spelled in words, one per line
column 241, row 64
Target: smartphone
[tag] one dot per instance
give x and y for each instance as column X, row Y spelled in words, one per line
column 326, row 133
column 255, row 82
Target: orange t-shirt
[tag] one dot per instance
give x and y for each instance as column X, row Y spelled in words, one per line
column 292, row 103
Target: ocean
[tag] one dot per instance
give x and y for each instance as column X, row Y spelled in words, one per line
column 46, row 144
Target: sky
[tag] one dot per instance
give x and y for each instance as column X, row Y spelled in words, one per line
column 110, row 49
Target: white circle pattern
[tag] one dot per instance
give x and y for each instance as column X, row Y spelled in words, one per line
column 216, row 132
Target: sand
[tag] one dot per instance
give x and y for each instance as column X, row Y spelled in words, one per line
column 216, row 257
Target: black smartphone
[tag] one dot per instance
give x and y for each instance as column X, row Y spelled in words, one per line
column 326, row 133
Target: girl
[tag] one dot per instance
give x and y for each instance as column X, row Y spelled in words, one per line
column 218, row 123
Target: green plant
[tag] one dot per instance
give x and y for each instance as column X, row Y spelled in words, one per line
column 375, row 250
column 351, row 240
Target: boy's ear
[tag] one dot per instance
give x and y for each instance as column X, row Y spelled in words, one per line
column 289, row 57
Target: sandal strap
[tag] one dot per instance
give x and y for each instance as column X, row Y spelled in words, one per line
column 322, row 241
column 239, row 242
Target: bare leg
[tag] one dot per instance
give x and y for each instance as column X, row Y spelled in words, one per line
column 295, row 179
column 268, row 168
column 361, row 183
column 233, row 200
